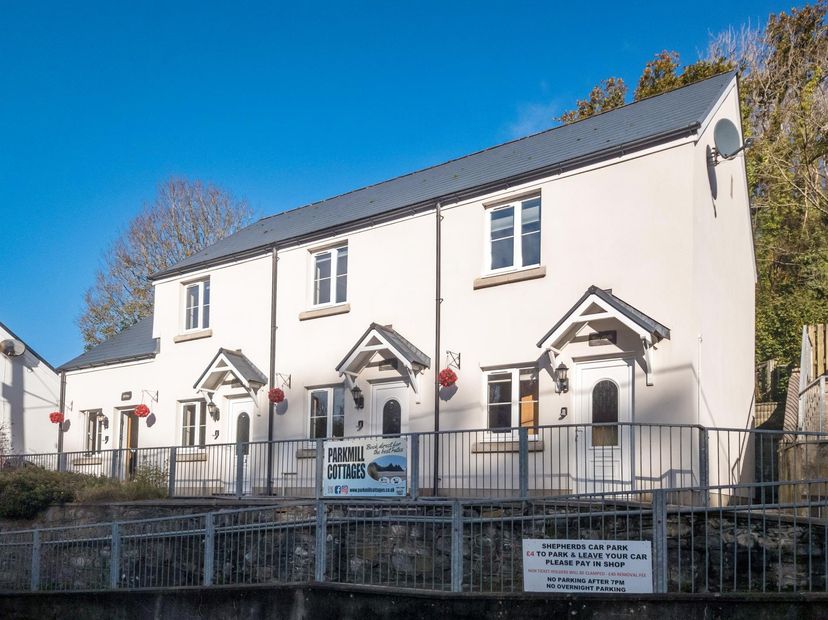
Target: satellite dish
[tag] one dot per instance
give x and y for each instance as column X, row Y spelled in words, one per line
column 726, row 138
column 12, row 347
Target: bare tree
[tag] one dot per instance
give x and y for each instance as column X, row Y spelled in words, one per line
column 185, row 217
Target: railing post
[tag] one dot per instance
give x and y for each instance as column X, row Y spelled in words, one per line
column 704, row 464
column 173, row 461
column 321, row 541
column 239, row 469
column 35, row 584
column 320, row 458
column 659, row 541
column 523, row 461
column 456, row 547
column 61, row 466
column 414, row 465
column 115, row 556
column 209, row 548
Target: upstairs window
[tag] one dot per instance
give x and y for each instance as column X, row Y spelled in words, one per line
column 327, row 413
column 330, row 276
column 197, row 305
column 193, row 424
column 94, row 430
column 514, row 235
column 512, row 400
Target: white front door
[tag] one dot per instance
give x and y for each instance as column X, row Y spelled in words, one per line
column 389, row 408
column 604, row 451
column 241, row 415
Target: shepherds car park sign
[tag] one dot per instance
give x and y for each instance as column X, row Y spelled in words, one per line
column 611, row 566
column 365, row 467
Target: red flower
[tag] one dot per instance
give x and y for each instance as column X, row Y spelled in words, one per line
column 447, row 377
column 142, row 411
column 56, row 417
column 276, row 395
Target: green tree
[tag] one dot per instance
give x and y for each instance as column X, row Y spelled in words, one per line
column 609, row 94
column 185, row 217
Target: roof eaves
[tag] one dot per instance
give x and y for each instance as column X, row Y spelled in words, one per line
column 28, row 348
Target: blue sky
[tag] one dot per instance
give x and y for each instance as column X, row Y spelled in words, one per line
column 280, row 104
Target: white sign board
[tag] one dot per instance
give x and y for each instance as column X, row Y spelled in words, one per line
column 612, row 566
column 365, row 467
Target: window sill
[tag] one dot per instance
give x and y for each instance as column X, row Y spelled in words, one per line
column 202, row 333
column 87, row 460
column 306, row 453
column 190, row 457
column 505, row 445
column 533, row 273
column 327, row 311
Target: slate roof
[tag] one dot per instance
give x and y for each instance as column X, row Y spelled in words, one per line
column 637, row 125
column 131, row 344
column 632, row 313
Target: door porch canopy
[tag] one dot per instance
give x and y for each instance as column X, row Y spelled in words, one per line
column 384, row 341
column 229, row 367
column 598, row 304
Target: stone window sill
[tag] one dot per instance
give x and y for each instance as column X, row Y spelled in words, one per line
column 485, row 447
column 327, row 311
column 87, row 460
column 507, row 278
column 306, row 453
column 190, row 457
column 204, row 333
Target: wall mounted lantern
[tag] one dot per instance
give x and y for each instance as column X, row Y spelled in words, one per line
column 561, row 378
column 213, row 410
column 359, row 399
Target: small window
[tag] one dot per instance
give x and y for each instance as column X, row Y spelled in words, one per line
column 94, row 430
column 327, row 413
column 193, row 424
column 330, row 276
column 512, row 400
column 605, row 411
column 514, row 235
column 197, row 305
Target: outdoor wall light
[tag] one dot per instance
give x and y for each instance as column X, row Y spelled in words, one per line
column 359, row 399
column 213, row 410
column 561, row 378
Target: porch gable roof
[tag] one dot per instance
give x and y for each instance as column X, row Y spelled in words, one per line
column 382, row 338
column 229, row 361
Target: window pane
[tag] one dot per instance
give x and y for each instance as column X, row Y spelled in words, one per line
column 529, row 400
column 202, row 424
column 500, row 401
column 322, row 279
column 391, row 418
column 192, row 307
column 319, row 414
column 605, row 410
column 503, row 223
column 503, row 253
column 530, row 216
column 342, row 275
column 206, row 322
column 338, row 421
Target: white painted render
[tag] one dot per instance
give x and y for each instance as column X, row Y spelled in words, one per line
column 643, row 225
column 29, row 392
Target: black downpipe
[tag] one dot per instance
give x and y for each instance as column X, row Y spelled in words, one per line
column 61, row 408
column 271, row 407
column 438, row 300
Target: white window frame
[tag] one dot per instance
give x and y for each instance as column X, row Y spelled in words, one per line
column 334, row 252
column 203, row 309
column 517, row 236
column 200, row 421
column 96, row 436
column 492, row 435
column 329, row 425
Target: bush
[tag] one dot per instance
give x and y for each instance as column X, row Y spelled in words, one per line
column 28, row 490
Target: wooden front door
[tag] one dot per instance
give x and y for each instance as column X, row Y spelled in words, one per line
column 129, row 442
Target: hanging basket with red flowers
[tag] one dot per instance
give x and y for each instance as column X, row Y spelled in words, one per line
column 56, row 417
column 447, row 377
column 275, row 395
column 142, row 411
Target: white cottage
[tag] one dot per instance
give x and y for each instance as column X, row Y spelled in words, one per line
column 600, row 272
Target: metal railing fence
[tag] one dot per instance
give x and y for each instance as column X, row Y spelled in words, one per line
column 437, row 545
column 521, row 462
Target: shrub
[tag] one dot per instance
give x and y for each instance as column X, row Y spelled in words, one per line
column 26, row 491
